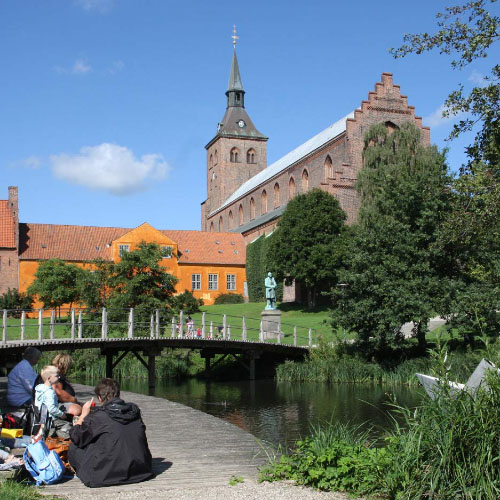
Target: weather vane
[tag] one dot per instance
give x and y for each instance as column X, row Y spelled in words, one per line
column 234, row 37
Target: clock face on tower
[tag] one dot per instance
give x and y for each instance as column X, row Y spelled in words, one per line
column 241, row 124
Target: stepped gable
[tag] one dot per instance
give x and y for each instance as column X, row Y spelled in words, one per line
column 7, row 226
column 86, row 243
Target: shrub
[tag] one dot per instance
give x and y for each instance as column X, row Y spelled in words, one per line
column 12, row 299
column 229, row 298
column 186, row 302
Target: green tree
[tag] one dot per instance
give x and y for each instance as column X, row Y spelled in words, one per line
column 139, row 281
column 467, row 32
column 16, row 301
column 393, row 268
column 307, row 245
column 55, row 283
column 93, row 284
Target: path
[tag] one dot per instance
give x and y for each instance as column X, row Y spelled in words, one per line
column 190, row 449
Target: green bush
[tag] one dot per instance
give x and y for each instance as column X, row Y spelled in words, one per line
column 186, row 302
column 12, row 299
column 229, row 298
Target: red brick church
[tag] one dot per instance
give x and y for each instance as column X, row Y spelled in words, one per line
column 247, row 196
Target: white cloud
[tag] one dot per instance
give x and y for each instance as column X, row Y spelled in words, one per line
column 436, row 119
column 81, row 67
column 116, row 67
column 32, row 162
column 101, row 6
column 478, row 79
column 109, row 167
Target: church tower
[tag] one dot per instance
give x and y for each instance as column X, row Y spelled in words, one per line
column 236, row 153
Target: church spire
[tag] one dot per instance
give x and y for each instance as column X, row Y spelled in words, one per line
column 235, row 93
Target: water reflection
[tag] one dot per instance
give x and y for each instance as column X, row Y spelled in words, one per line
column 282, row 412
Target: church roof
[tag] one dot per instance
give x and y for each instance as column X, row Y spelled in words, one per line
column 7, row 226
column 86, row 243
column 289, row 159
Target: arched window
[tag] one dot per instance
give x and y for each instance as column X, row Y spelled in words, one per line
column 252, row 209
column 231, row 221
column 276, row 195
column 251, row 156
column 221, row 227
column 241, row 214
column 234, row 155
column 264, row 202
column 305, row 181
column 291, row 188
column 216, row 158
column 212, row 227
column 328, row 168
column 211, row 160
column 391, row 127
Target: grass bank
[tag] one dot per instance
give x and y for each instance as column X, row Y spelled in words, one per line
column 12, row 490
column 447, row 448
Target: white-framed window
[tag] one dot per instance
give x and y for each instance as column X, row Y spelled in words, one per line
column 213, row 281
column 123, row 249
column 166, row 252
column 231, row 282
column 196, row 282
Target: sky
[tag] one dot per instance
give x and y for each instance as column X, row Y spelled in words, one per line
column 106, row 105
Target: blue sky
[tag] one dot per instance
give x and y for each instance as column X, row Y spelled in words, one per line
column 106, row 105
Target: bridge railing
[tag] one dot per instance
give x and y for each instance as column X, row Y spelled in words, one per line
column 80, row 323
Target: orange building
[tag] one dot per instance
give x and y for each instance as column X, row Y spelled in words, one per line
column 207, row 264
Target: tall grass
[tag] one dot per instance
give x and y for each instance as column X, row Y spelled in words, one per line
column 446, row 449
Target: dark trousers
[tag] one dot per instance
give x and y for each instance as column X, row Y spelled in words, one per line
column 75, row 457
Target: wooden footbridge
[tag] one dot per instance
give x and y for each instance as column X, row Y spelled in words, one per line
column 252, row 346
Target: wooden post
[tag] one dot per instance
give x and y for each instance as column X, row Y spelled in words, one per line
column 151, row 371
column 295, row 335
column 224, row 319
column 228, row 332
column 40, row 324
column 211, row 329
column 278, row 339
column 203, row 326
column 80, row 325
column 157, row 323
column 181, row 323
column 109, row 365
column 52, row 323
column 152, row 326
column 130, row 333
column 243, row 328
column 73, row 323
column 4, row 327
column 173, row 327
column 104, row 334
column 310, row 338
column 23, row 325
column 252, row 368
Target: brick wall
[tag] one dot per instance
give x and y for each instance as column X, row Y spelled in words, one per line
column 9, row 257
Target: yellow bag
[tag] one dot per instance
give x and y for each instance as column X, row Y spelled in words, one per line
column 12, row 433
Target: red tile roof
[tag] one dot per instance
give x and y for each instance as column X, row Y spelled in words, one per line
column 84, row 243
column 7, row 226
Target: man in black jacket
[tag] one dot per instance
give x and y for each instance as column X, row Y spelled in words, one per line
column 109, row 444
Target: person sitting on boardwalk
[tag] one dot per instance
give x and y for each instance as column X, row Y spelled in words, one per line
column 22, row 378
column 45, row 394
column 109, row 444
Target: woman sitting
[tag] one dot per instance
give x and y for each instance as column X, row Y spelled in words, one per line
column 109, row 444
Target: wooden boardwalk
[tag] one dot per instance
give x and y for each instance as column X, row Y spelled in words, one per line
column 190, row 449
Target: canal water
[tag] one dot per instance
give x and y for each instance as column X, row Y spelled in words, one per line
column 281, row 413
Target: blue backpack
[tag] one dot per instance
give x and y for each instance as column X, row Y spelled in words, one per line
column 43, row 464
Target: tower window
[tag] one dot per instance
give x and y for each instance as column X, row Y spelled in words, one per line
column 221, row 224
column 328, row 168
column 234, row 155
column 305, row 181
column 241, row 214
column 251, row 156
column 264, row 202
column 212, row 227
column 231, row 222
column 276, row 195
column 252, row 209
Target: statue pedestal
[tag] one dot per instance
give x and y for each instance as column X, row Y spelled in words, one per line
column 271, row 321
